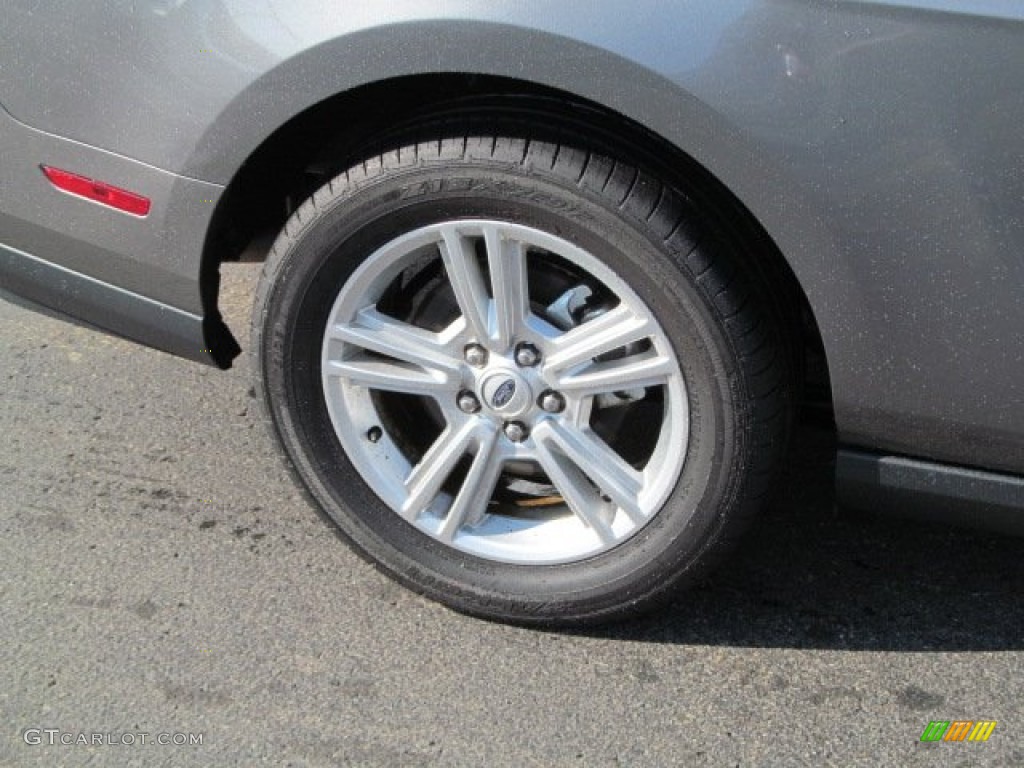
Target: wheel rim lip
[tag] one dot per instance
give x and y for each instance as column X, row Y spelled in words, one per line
column 382, row 465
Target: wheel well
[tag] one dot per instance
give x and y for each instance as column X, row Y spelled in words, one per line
column 333, row 135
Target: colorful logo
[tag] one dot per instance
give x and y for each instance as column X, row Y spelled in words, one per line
column 958, row 730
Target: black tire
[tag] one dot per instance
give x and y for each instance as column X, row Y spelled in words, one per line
column 676, row 256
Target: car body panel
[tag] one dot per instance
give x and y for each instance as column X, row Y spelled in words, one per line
column 878, row 143
column 41, row 285
column 156, row 255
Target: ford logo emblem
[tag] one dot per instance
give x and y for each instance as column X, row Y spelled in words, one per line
column 504, row 394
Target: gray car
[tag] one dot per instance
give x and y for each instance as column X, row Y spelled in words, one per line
column 547, row 284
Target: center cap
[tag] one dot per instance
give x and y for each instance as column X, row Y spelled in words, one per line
column 507, row 393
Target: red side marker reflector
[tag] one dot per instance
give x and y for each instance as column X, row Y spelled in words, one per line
column 98, row 191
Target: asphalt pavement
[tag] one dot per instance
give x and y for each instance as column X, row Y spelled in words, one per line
column 163, row 580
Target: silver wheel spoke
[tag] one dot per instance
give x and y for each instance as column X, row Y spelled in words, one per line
column 506, row 259
column 636, row 372
column 606, row 333
column 470, row 504
column 459, row 256
column 375, row 373
column 605, row 468
column 581, row 496
column 427, row 477
column 416, row 352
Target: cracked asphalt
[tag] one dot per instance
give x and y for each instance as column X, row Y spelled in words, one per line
column 162, row 575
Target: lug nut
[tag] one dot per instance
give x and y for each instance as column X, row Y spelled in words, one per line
column 468, row 402
column 516, row 431
column 551, row 401
column 476, row 355
column 527, row 355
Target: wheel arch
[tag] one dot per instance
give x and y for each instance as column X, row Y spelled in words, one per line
column 678, row 132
